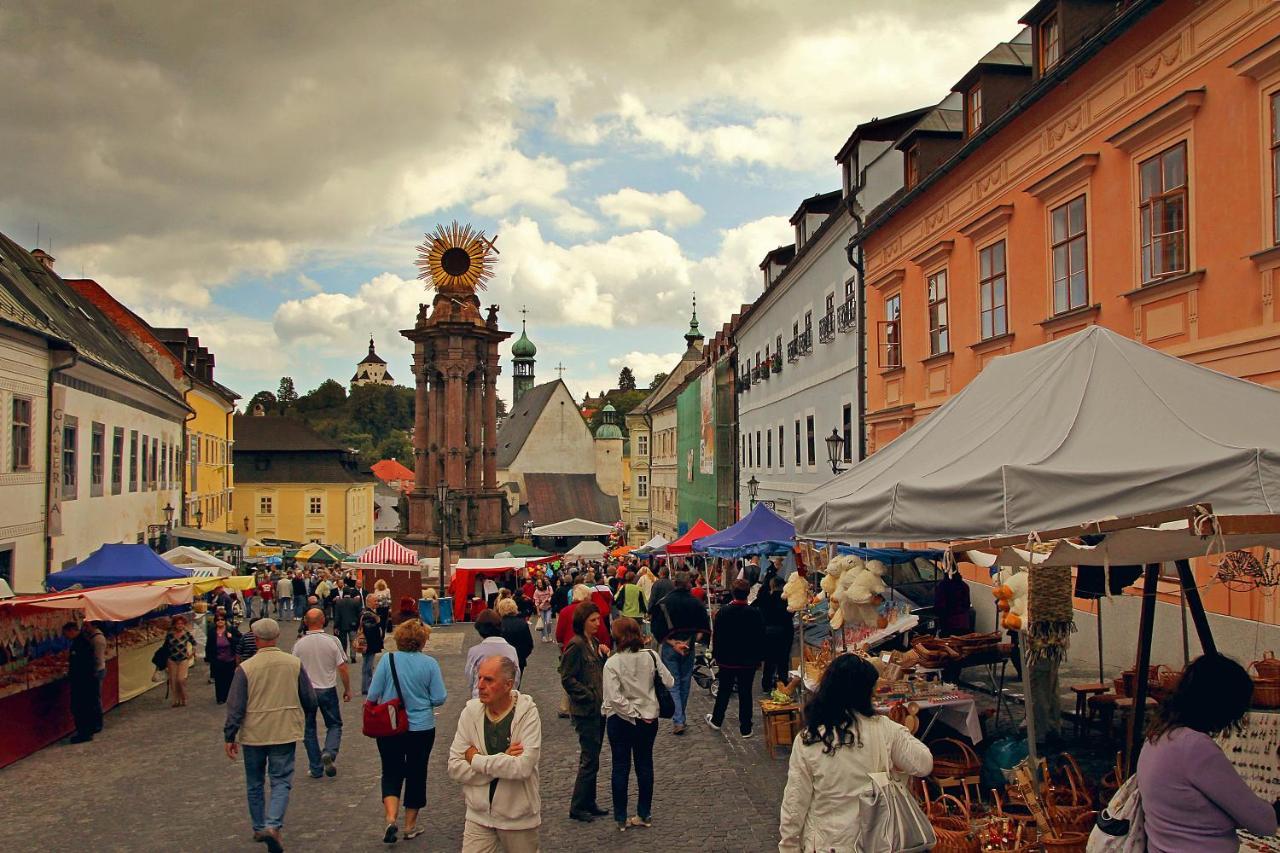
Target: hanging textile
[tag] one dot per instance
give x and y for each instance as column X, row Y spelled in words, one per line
column 1050, row 618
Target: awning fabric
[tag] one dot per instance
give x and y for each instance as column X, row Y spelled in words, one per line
column 110, row 603
column 1088, row 427
column 389, row 552
column 652, row 545
column 1135, row 546
column 573, row 527
column 113, row 564
column 519, row 550
column 315, row 553
column 201, row 563
column 761, row 531
column 587, row 548
column 684, row 545
column 213, row 537
column 200, row 586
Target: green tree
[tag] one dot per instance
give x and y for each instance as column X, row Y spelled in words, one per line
column 626, row 380
column 657, row 380
column 329, row 395
column 396, row 446
column 502, row 408
column 286, row 395
column 265, row 399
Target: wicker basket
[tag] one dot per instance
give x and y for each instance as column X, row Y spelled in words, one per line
column 1065, row 842
column 933, row 653
column 1266, row 693
column 1268, row 667
column 952, row 825
column 1167, row 680
column 954, row 759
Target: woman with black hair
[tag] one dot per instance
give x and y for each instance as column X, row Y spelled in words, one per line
column 1192, row 798
column 843, row 741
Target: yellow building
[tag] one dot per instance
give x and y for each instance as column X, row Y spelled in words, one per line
column 294, row 484
column 207, row 473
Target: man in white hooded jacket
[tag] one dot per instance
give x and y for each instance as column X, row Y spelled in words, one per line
column 494, row 757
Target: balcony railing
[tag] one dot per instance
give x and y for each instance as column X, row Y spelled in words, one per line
column 827, row 328
column 777, row 362
column 846, row 315
column 744, row 384
column 793, row 350
column 805, row 342
column 755, row 374
column 764, row 368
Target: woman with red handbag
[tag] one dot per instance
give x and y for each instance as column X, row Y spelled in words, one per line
column 400, row 713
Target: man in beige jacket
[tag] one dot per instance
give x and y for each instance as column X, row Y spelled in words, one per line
column 494, row 757
column 266, row 707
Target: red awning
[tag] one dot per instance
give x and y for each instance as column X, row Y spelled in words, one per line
column 684, row 545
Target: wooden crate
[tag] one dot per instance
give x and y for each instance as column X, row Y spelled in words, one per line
column 781, row 724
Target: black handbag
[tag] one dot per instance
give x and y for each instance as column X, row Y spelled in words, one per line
column 666, row 702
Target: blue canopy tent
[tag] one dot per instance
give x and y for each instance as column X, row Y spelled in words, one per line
column 760, row 532
column 116, row 564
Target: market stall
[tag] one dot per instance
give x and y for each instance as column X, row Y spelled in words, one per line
column 467, row 581
column 587, row 549
column 34, row 693
column 113, row 564
column 1045, row 444
column 684, row 545
column 761, row 532
column 199, row 563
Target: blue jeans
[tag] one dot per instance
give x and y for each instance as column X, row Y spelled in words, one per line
column 331, row 710
column 284, row 607
column 628, row 742
column 548, row 626
column 681, row 667
column 299, row 606
column 368, row 662
column 275, row 761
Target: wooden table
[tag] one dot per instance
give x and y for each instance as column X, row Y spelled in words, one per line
column 781, row 724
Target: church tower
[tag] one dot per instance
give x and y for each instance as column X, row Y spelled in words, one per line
column 522, row 353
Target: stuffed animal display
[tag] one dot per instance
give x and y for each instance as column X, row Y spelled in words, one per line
column 1011, row 598
column 796, row 593
column 854, row 588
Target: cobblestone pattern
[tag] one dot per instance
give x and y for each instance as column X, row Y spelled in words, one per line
column 157, row 779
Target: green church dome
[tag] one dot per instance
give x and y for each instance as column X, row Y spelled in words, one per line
column 524, row 347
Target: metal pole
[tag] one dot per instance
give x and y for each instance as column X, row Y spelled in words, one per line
column 1101, row 678
column 1029, row 712
column 1146, row 627
column 1198, row 617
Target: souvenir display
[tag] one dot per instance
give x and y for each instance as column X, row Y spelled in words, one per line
column 1252, row 752
column 32, row 649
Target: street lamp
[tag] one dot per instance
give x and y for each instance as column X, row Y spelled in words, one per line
column 753, row 489
column 528, row 530
column 834, row 444
column 168, row 514
column 442, row 500
column 199, row 517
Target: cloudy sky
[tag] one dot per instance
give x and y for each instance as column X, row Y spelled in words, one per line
column 261, row 172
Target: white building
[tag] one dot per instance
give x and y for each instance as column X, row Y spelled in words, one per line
column 799, row 344
column 99, row 456
column 371, row 370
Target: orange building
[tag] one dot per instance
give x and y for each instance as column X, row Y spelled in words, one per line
column 1118, row 164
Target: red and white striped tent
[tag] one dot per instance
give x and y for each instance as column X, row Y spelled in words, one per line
column 389, row 552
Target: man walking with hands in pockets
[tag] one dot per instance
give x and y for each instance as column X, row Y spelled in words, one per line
column 494, row 757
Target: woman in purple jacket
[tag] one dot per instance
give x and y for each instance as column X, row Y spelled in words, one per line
column 1192, row 797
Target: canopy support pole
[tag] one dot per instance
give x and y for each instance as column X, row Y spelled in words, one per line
column 1101, row 679
column 1198, row 616
column 1146, row 627
column 1029, row 713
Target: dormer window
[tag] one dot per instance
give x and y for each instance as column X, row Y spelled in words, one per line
column 975, row 109
column 913, row 166
column 1050, row 43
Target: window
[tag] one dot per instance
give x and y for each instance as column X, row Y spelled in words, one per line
column 20, row 435
column 798, row 457
column 848, row 289
column 97, row 458
column 777, row 347
column 768, row 449
column 782, row 453
column 993, row 291
column 164, row 464
column 642, row 444
column 890, row 333
column 193, row 459
column 315, row 505
column 70, row 435
column 742, row 447
column 265, row 505
column 847, row 424
column 939, row 341
column 1275, row 168
column 155, row 463
column 146, row 469
column 117, row 460
column 6, row 564
column 642, row 485
column 759, row 456
column 133, row 460
column 1163, row 213
column 751, row 457
column 975, row 109
column 1050, row 43
column 1070, row 256
column 811, row 447
column 913, row 166
column 831, row 304
column 808, row 321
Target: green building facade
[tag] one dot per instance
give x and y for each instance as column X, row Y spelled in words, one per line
column 698, row 447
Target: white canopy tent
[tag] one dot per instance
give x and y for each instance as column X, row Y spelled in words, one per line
column 201, row 563
column 573, row 527
column 658, row 541
column 587, row 548
column 1092, row 426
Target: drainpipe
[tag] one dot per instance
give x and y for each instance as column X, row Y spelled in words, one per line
column 48, row 452
column 861, row 321
column 648, row 422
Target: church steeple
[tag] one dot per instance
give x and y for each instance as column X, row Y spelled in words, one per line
column 522, row 359
column 693, row 337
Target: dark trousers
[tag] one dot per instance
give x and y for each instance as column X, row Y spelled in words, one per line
column 86, row 704
column 344, row 637
column 404, row 763
column 628, row 742
column 590, row 731
column 222, row 672
column 741, row 680
column 777, row 661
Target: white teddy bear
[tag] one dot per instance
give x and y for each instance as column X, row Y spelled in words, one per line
column 796, row 593
column 1011, row 592
column 855, row 596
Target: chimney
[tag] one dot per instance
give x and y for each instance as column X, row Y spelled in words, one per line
column 46, row 260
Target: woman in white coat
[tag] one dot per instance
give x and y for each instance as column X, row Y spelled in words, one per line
column 844, row 741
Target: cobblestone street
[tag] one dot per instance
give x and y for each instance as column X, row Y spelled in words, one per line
column 157, row 779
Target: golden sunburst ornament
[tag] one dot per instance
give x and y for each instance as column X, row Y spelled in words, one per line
column 456, row 257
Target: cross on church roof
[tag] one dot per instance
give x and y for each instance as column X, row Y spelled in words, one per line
column 560, row 368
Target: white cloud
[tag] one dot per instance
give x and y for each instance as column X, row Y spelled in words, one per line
column 632, row 208
column 646, row 364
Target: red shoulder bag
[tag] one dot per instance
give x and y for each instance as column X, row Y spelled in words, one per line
column 384, row 719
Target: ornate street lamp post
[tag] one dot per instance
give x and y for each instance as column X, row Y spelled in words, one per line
column 835, row 443
column 753, row 489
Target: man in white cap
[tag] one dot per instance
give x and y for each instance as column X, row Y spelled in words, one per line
column 266, row 706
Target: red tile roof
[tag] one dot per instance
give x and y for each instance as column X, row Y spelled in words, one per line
column 389, row 471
